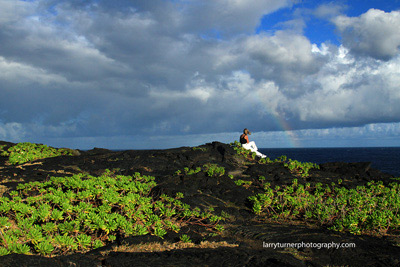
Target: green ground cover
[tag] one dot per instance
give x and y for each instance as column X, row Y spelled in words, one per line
column 83, row 212
column 373, row 208
column 212, row 170
column 24, row 152
column 370, row 209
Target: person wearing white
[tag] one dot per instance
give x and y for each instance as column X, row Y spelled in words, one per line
column 244, row 140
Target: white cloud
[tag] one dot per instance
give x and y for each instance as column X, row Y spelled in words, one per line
column 351, row 91
column 375, row 33
column 281, row 49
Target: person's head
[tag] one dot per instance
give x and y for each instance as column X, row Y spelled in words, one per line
column 246, row 131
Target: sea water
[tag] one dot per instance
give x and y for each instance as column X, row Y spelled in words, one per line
column 385, row 159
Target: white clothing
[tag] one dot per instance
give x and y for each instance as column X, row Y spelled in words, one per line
column 253, row 148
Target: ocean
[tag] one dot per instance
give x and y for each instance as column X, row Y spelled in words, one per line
column 385, row 159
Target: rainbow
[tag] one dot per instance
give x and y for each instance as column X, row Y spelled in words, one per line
column 281, row 122
column 291, row 136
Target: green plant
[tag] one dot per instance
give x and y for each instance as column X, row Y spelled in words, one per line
column 24, row 152
column 300, row 168
column 203, row 149
column 240, row 150
column 219, row 228
column 241, row 182
column 44, row 248
column 188, row 171
column 192, row 171
column 82, row 212
column 264, row 160
column 282, row 158
column 4, row 251
column 185, row 239
column 371, row 208
column 213, row 170
column 3, row 152
column 297, row 167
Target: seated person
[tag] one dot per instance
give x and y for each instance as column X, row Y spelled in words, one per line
column 244, row 140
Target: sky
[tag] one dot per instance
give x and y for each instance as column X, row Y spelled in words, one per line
column 138, row 74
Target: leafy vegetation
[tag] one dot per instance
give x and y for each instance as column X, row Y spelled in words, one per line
column 241, row 182
column 299, row 168
column 3, row 152
column 213, row 170
column 367, row 209
column 185, row 239
column 188, row 171
column 247, row 153
column 24, row 152
column 240, row 150
column 83, row 212
column 203, row 149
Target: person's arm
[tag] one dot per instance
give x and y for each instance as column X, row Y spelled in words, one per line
column 247, row 138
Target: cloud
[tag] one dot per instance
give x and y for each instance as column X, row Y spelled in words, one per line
column 284, row 58
column 229, row 16
column 13, row 11
column 12, row 132
column 329, row 10
column 103, row 69
column 375, row 33
column 351, row 92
